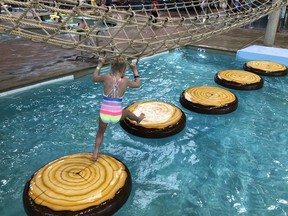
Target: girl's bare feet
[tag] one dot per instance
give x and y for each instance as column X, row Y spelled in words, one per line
column 140, row 118
column 94, row 156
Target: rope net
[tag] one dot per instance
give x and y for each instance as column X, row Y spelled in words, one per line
column 132, row 30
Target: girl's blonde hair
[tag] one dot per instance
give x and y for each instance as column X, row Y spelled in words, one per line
column 119, row 64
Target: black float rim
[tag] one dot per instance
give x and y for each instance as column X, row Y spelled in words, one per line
column 264, row 73
column 106, row 208
column 238, row 86
column 154, row 132
column 199, row 108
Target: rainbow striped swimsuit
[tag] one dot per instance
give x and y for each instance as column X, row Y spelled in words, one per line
column 111, row 108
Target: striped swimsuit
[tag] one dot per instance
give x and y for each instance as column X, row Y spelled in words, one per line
column 111, row 108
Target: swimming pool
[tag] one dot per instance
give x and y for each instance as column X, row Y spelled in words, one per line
column 218, row 165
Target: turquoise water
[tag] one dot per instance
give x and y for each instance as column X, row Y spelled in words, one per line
column 233, row 164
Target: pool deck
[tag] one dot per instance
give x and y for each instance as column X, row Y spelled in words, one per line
column 24, row 63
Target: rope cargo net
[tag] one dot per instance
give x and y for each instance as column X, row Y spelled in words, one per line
column 131, row 30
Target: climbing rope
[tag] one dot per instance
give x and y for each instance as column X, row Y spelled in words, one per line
column 132, row 30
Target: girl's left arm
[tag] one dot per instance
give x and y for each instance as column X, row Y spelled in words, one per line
column 96, row 75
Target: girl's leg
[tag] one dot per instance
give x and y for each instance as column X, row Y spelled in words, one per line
column 99, row 138
column 132, row 116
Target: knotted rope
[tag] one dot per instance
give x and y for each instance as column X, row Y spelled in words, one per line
column 127, row 30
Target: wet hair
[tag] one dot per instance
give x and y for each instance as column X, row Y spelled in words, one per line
column 118, row 64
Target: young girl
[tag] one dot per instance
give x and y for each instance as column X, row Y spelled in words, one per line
column 115, row 86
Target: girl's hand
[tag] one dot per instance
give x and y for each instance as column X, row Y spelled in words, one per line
column 101, row 61
column 133, row 68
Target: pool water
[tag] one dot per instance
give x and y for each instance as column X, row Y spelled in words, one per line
column 232, row 164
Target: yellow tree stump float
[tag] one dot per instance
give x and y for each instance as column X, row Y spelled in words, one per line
column 266, row 68
column 161, row 119
column 239, row 79
column 75, row 185
column 209, row 100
